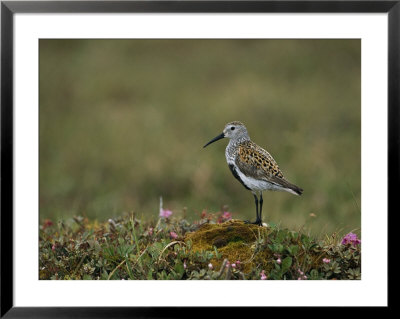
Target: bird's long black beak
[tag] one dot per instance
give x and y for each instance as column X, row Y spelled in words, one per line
column 222, row 135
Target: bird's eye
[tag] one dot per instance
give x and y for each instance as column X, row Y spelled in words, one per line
column 232, row 128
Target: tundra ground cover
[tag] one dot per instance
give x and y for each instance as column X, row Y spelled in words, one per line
column 213, row 247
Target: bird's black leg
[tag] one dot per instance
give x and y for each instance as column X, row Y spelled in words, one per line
column 259, row 215
column 256, row 201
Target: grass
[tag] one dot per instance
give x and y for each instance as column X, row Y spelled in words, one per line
column 123, row 122
column 214, row 247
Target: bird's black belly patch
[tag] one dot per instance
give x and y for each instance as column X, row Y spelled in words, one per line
column 233, row 170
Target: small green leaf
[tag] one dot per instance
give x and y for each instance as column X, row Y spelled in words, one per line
column 293, row 250
column 286, row 263
column 179, row 269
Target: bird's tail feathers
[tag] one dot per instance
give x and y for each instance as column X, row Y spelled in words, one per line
column 296, row 190
column 291, row 188
column 285, row 185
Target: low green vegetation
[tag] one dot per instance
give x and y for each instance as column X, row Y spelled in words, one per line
column 212, row 247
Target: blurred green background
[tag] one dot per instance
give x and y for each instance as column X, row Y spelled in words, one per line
column 123, row 122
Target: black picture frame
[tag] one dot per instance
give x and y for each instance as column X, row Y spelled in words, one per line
column 9, row 8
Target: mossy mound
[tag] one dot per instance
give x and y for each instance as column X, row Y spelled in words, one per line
column 234, row 240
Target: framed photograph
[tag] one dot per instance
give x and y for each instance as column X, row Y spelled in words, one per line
column 159, row 155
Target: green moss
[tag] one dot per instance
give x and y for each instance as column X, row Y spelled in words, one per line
column 234, row 240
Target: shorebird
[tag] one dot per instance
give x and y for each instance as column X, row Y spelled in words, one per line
column 253, row 166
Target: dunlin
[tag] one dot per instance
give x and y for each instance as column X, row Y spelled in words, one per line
column 253, row 166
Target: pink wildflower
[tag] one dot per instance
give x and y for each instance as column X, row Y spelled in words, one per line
column 53, row 248
column 352, row 239
column 279, row 261
column 233, row 265
column 47, row 223
column 224, row 217
column 326, row 260
column 165, row 213
column 263, row 276
column 210, row 266
column 173, row 235
column 184, row 264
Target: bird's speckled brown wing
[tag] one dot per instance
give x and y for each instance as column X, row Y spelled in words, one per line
column 256, row 162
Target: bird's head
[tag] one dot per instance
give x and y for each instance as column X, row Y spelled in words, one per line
column 233, row 130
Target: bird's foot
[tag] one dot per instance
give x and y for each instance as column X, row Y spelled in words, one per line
column 257, row 222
